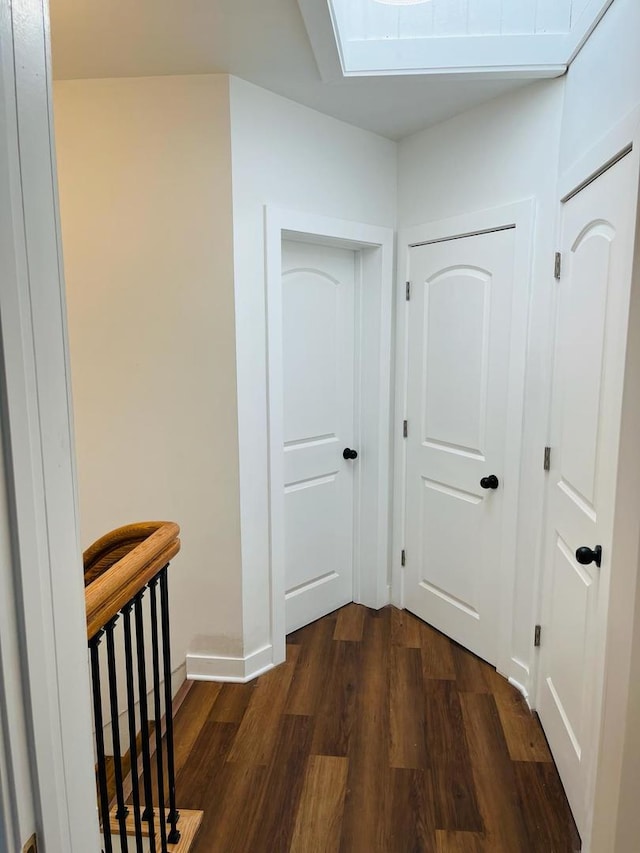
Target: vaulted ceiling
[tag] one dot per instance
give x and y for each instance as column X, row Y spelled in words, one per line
column 298, row 55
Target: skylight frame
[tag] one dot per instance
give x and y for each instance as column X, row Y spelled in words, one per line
column 513, row 56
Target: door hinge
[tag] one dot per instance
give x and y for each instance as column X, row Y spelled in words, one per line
column 547, row 459
column 557, row 268
column 405, row 429
column 403, row 558
column 408, row 291
column 537, row 635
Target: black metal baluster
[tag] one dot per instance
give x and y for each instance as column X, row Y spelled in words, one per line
column 131, row 708
column 102, row 764
column 157, row 709
column 144, row 721
column 122, row 811
column 174, row 815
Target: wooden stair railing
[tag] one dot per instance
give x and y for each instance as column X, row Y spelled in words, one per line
column 123, row 571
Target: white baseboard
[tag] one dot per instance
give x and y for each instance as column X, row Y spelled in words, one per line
column 521, row 689
column 519, row 676
column 204, row 667
column 515, row 671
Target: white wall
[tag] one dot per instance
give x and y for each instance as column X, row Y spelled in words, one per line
column 603, row 83
column 502, row 152
column 291, row 157
column 145, row 188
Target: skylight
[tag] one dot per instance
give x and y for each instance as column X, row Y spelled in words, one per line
column 401, row 2
column 514, row 39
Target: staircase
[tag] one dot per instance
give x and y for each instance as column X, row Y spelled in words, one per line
column 128, row 633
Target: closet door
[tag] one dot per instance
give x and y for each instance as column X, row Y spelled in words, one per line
column 459, row 339
column 593, row 309
column 318, row 300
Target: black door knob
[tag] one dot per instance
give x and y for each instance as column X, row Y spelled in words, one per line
column 490, row 482
column 347, row 453
column 585, row 556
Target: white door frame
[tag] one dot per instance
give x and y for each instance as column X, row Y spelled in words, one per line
column 374, row 310
column 41, row 481
column 519, row 216
column 615, row 618
column 17, row 800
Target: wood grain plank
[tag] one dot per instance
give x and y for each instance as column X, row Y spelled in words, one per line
column 363, row 826
column 336, row 713
column 455, row 801
column 407, row 738
column 302, row 635
column 472, row 674
column 319, row 818
column 311, row 671
column 362, row 707
column 231, row 704
column 494, row 775
column 257, row 733
column 276, row 812
column 437, row 657
column 204, row 764
column 460, row 842
column 405, row 629
column 228, row 823
column 522, row 729
column 543, row 803
column 350, row 623
column 193, row 714
column 411, row 817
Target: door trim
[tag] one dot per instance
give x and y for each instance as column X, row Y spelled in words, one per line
column 39, row 442
column 519, row 216
column 374, row 310
column 618, row 604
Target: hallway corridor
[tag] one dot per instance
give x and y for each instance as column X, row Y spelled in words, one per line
column 378, row 735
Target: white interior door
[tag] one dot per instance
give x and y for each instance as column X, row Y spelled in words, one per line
column 459, row 339
column 318, row 299
column 589, row 368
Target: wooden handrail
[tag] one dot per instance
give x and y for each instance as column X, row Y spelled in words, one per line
column 121, row 563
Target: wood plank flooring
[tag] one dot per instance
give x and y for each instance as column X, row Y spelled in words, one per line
column 378, row 735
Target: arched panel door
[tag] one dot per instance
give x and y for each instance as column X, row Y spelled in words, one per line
column 593, row 305
column 318, row 333
column 459, row 339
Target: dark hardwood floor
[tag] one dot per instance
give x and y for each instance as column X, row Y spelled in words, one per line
column 378, row 735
